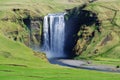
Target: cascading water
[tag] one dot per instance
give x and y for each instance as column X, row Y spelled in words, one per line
column 54, row 35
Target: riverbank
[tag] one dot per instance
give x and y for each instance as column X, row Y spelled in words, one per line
column 85, row 65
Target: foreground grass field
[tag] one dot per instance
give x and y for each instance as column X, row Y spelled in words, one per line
column 52, row 73
column 17, row 62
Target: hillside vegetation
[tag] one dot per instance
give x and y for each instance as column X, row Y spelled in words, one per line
column 105, row 42
column 16, row 17
column 39, row 7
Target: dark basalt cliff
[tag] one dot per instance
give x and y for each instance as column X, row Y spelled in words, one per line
column 81, row 25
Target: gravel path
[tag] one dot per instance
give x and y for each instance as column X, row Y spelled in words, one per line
column 84, row 65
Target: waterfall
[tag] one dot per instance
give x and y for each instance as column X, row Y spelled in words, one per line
column 54, row 35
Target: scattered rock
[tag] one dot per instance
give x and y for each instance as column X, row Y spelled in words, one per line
column 117, row 66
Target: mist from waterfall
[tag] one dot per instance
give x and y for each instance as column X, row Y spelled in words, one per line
column 54, row 35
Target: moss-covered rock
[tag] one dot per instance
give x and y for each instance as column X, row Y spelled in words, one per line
column 105, row 42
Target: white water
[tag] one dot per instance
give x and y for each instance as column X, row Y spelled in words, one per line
column 54, row 35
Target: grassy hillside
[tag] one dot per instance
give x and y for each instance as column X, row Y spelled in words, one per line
column 39, row 7
column 15, row 53
column 17, row 62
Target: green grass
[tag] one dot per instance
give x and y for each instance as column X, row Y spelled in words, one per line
column 16, row 53
column 38, row 7
column 106, row 61
column 54, row 73
column 17, row 62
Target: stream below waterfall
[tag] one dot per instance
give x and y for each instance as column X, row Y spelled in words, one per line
column 54, row 44
column 82, row 64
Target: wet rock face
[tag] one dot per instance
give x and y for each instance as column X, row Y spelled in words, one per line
column 36, row 31
column 35, row 25
column 91, row 1
column 28, row 29
column 81, row 27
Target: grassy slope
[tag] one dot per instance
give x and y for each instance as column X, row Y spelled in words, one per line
column 18, row 62
column 16, row 53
